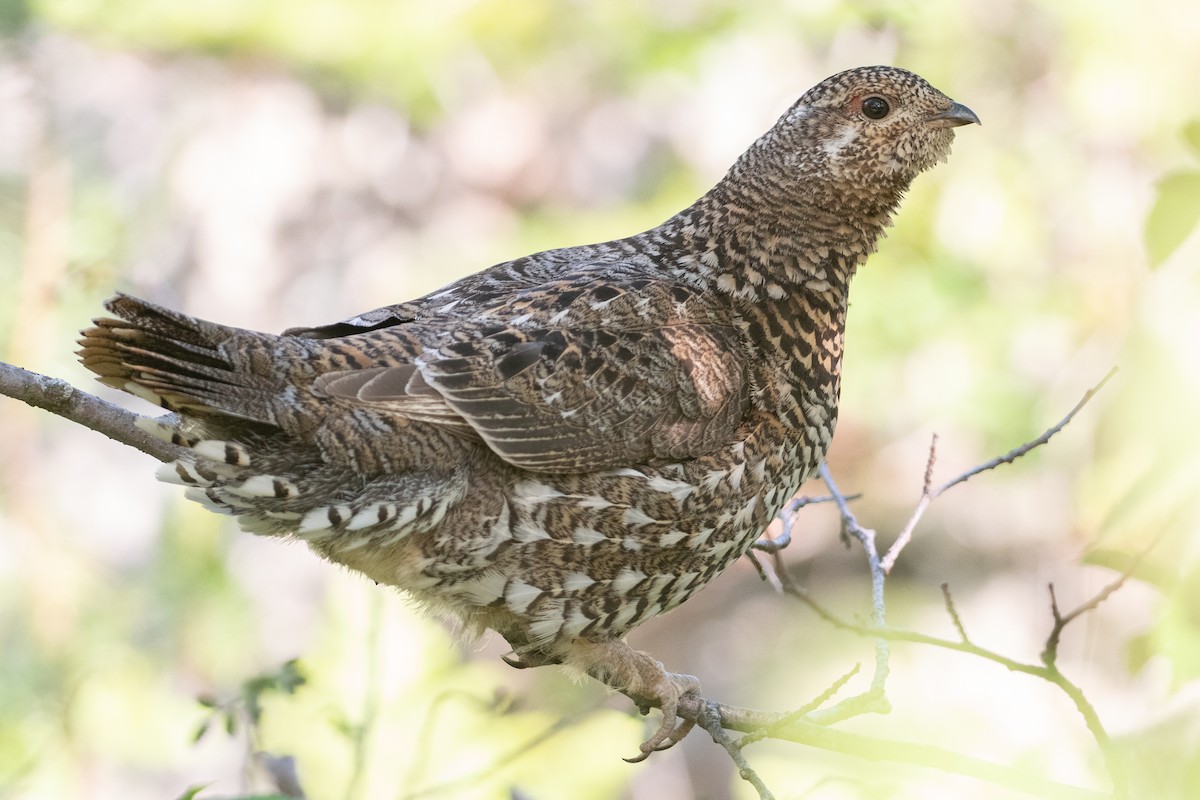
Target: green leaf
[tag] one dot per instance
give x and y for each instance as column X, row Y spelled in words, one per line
column 253, row 706
column 192, row 791
column 1175, row 215
column 1145, row 569
column 290, row 677
column 344, row 726
column 201, row 729
column 1138, row 652
column 1191, row 135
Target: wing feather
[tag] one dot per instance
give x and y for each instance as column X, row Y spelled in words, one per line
column 619, row 386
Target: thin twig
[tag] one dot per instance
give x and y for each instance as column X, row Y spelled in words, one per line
column 872, row 701
column 866, row 537
column 953, row 612
column 850, row 524
column 803, row 711
column 505, row 760
column 889, row 559
column 929, row 465
column 905, row 536
column 928, row 495
column 787, row 517
column 1016, row 453
column 710, row 720
column 872, row 748
column 773, row 546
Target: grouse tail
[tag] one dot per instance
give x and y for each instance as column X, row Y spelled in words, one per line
column 178, row 361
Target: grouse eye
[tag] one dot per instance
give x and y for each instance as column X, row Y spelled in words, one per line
column 875, row 107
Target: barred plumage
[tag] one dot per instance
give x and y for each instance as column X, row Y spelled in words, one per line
column 564, row 445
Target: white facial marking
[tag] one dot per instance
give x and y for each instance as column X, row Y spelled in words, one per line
column 834, row 146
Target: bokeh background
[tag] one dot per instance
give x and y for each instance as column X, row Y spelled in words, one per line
column 290, row 162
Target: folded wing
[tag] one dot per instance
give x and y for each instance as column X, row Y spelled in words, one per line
column 618, row 388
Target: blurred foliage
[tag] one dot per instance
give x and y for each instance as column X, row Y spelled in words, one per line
column 248, row 705
column 1176, row 211
column 284, row 162
column 14, row 15
column 406, row 50
column 194, row 793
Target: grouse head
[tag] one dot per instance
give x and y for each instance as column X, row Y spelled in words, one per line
column 869, row 130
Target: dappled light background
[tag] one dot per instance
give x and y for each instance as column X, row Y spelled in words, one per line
column 293, row 162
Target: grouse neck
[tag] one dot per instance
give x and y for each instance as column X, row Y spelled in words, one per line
column 765, row 239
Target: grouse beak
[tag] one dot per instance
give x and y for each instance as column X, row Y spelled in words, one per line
column 952, row 117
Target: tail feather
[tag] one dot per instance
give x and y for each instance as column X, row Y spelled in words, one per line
column 178, row 361
column 287, row 476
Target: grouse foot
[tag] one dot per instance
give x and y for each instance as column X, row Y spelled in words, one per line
column 643, row 679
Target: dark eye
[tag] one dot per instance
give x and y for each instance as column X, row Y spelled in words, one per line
column 875, row 107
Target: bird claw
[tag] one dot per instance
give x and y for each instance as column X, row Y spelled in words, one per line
column 667, row 692
column 663, row 741
column 644, row 681
column 526, row 660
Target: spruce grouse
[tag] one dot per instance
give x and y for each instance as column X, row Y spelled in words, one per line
column 564, row 445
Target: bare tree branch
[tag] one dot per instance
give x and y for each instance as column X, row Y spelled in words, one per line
column 927, row 497
column 64, row 400
column 787, row 516
column 805, row 710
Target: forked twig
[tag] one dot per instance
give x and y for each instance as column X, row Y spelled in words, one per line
column 879, row 569
column 710, row 720
column 1049, row 654
column 928, row 495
